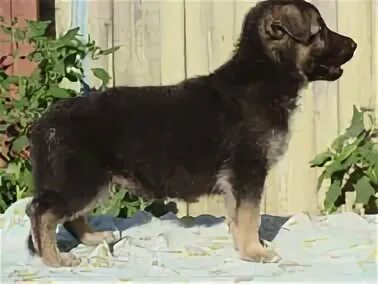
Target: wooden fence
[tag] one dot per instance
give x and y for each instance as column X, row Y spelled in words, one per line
column 165, row 41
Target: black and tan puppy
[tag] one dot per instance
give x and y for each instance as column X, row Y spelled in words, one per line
column 212, row 134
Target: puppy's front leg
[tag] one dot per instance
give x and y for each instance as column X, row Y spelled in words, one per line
column 248, row 171
column 245, row 232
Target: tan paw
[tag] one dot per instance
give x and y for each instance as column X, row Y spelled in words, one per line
column 95, row 238
column 258, row 253
column 68, row 259
column 61, row 259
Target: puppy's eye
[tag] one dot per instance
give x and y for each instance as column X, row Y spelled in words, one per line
column 312, row 37
column 277, row 31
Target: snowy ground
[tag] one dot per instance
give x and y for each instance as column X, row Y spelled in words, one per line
column 337, row 248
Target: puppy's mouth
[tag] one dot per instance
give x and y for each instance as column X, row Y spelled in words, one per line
column 328, row 70
column 331, row 72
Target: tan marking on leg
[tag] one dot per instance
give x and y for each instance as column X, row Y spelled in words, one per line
column 246, row 234
column 230, row 204
column 86, row 234
column 49, row 250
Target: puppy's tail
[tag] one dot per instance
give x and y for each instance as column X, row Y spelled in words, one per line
column 31, row 247
column 30, row 243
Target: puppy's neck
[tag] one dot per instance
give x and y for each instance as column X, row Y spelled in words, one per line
column 257, row 69
column 281, row 83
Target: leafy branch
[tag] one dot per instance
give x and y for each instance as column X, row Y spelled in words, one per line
column 351, row 164
column 25, row 98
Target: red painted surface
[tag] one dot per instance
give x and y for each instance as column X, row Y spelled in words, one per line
column 23, row 10
column 5, row 12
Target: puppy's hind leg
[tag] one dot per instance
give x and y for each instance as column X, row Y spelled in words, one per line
column 82, row 230
column 43, row 233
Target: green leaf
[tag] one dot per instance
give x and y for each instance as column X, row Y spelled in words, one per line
column 333, row 193
column 14, row 21
column 13, row 168
column 20, row 143
column 357, row 125
column 36, row 56
column 364, row 190
column 57, row 92
column 21, row 87
column 374, row 148
column 347, row 151
column 371, row 172
column 334, row 167
column 20, row 104
column 69, row 35
column 321, row 159
column 368, row 119
column 9, row 81
column 20, row 35
column 59, row 67
column 3, row 205
column 6, row 30
column 27, row 179
column 320, row 180
column 102, row 75
column 37, row 28
column 109, row 51
column 3, row 109
column 339, row 142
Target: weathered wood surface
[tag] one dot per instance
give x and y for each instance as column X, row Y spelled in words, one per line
column 165, row 41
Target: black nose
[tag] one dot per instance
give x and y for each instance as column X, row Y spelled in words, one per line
column 352, row 44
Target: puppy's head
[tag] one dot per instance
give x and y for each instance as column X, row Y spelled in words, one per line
column 292, row 33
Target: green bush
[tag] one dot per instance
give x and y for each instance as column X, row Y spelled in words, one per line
column 351, row 164
column 25, row 98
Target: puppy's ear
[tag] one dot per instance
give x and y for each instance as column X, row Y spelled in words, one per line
column 288, row 19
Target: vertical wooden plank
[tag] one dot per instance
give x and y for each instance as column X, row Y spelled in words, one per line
column 220, row 46
column 326, row 97
column 5, row 47
column 63, row 16
column 209, row 43
column 221, row 33
column 172, row 41
column 5, row 9
column 99, row 28
column 302, row 195
column 356, row 84
column 140, row 52
column 152, row 39
column 172, row 53
column 24, row 10
column 197, row 14
column 123, row 37
column 63, row 22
